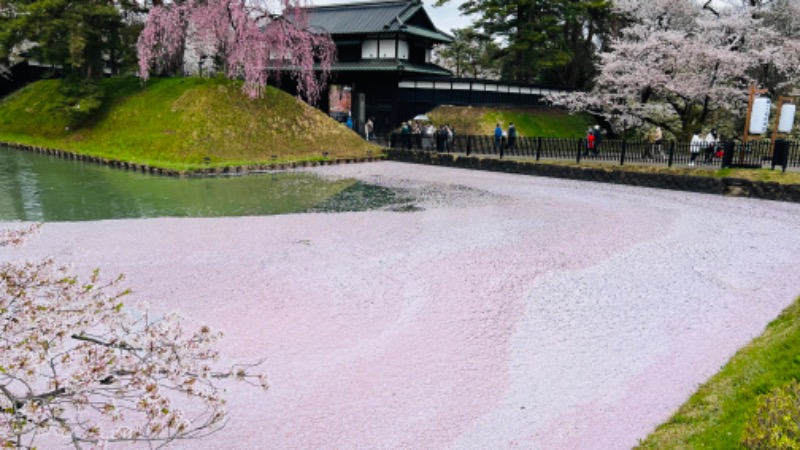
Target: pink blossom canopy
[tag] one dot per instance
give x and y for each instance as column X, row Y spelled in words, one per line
column 246, row 37
column 677, row 61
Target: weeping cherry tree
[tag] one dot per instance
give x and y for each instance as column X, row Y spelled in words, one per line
column 249, row 39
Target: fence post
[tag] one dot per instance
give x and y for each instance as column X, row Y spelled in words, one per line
column 671, row 153
column 469, row 144
column 622, row 154
column 580, row 147
column 538, row 148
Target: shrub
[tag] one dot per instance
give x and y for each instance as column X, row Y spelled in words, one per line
column 82, row 98
column 776, row 422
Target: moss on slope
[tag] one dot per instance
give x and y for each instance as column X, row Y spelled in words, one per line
column 180, row 123
column 529, row 122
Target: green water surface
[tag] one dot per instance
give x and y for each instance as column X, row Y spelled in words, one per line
column 44, row 188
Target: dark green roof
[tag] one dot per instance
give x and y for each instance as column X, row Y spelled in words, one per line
column 430, row 34
column 379, row 17
column 389, row 66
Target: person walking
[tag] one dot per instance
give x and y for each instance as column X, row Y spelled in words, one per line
column 589, row 147
column 598, row 138
column 648, row 148
column 416, row 131
column 441, row 139
column 658, row 137
column 498, row 139
column 368, row 129
column 451, row 138
column 694, row 147
column 406, row 133
column 512, row 137
column 711, row 142
column 427, row 137
column 349, row 122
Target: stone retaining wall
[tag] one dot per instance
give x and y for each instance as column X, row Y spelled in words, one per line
column 707, row 185
column 724, row 186
column 211, row 171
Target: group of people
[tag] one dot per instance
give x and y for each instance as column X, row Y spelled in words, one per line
column 503, row 141
column 369, row 127
column 709, row 146
column 427, row 136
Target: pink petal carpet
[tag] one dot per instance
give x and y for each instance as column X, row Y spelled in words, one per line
column 508, row 312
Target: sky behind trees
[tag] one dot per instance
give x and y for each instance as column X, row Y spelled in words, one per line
column 445, row 17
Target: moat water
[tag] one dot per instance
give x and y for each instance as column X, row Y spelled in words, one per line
column 43, row 188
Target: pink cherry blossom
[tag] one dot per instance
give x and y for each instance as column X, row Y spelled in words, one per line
column 251, row 41
column 81, row 364
column 677, row 61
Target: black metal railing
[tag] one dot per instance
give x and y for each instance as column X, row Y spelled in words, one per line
column 728, row 154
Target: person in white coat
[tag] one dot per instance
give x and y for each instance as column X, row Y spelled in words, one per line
column 369, row 129
column 695, row 146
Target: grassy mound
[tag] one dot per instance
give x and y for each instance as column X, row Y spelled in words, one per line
column 716, row 415
column 179, row 123
column 528, row 122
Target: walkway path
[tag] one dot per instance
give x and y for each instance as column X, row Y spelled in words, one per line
column 511, row 312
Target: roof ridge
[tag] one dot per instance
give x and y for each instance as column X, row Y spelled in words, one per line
column 365, row 3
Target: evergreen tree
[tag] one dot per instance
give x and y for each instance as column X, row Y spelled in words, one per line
column 74, row 35
column 470, row 55
column 553, row 41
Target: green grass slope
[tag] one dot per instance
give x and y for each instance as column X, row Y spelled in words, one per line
column 180, row 123
column 529, row 122
column 715, row 416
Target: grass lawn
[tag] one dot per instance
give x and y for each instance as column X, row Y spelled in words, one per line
column 715, row 416
column 767, row 175
column 529, row 122
column 180, row 124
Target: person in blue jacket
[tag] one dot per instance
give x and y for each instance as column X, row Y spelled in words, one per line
column 349, row 122
column 498, row 139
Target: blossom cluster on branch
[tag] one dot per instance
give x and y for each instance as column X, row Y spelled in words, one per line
column 81, row 365
column 677, row 61
column 245, row 37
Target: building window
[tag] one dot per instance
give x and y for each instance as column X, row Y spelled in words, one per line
column 402, row 48
column 385, row 49
column 369, row 49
